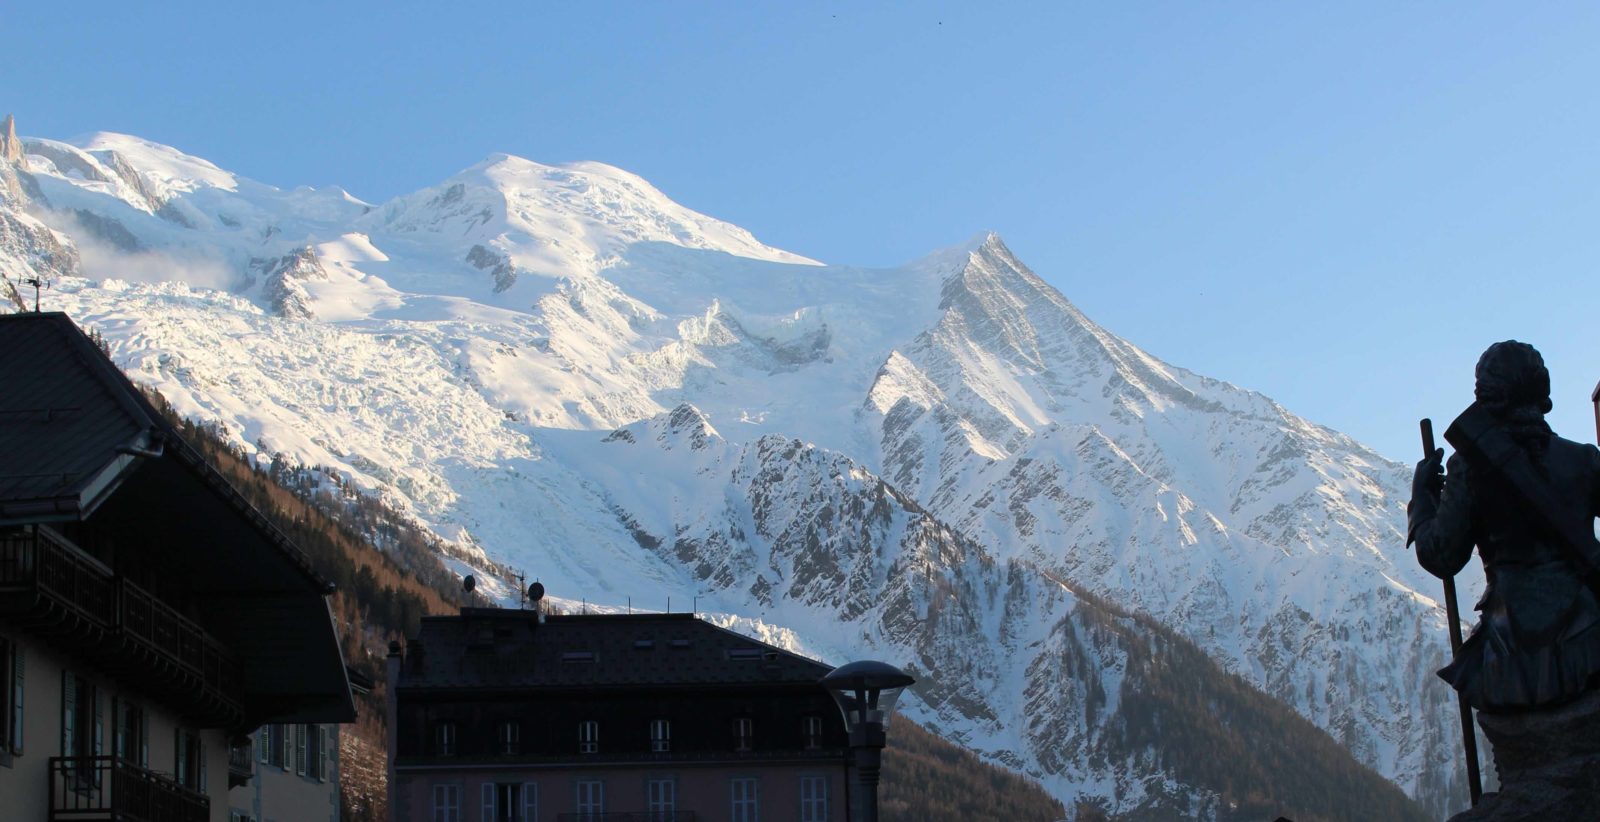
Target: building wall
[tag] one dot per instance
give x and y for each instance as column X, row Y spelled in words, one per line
column 24, row 779
column 703, row 789
column 280, row 794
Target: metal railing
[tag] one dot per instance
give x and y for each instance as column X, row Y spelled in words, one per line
column 627, row 816
column 91, row 788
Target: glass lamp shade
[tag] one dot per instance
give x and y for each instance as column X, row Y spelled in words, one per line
column 866, row 691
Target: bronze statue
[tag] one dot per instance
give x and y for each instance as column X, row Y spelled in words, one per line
column 1528, row 500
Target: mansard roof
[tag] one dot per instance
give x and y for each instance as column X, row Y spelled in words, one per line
column 512, row 650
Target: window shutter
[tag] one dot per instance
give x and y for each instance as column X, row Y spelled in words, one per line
column 300, row 750
column 69, row 712
column 144, row 740
column 16, row 699
column 330, row 739
column 200, row 755
column 119, row 736
column 263, row 744
column 488, row 802
column 530, row 802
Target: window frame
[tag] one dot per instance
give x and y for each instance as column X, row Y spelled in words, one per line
column 509, row 738
column 446, row 802
column 813, row 798
column 744, row 733
column 660, row 735
column 595, row 803
column 811, row 732
column 744, row 808
column 444, row 738
column 589, row 736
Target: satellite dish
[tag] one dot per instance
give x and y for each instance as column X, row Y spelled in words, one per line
column 469, row 583
column 536, row 592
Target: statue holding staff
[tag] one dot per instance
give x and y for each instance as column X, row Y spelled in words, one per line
column 1531, row 666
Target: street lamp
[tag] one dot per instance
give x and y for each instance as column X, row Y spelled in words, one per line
column 866, row 692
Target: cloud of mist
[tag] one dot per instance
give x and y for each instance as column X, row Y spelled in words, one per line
column 104, row 260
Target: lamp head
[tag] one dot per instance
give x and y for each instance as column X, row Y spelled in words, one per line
column 866, row 692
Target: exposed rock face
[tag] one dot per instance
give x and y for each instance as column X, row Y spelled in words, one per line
column 282, row 284
column 1548, row 763
column 505, row 273
column 10, row 146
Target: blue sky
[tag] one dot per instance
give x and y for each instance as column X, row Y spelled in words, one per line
column 1339, row 205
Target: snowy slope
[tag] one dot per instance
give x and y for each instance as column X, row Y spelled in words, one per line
column 560, row 367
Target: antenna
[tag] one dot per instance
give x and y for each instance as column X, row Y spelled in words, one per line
column 37, row 283
column 522, row 594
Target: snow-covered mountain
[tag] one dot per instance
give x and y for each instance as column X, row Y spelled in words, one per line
column 939, row 463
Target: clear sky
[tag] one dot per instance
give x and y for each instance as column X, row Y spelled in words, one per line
column 1339, row 205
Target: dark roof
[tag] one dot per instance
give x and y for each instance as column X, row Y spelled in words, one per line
column 490, row 648
column 78, row 441
column 70, row 424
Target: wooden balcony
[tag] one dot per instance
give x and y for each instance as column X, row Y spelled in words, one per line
column 61, row 593
column 109, row 789
column 241, row 764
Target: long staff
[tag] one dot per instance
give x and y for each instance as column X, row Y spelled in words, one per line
column 1453, row 614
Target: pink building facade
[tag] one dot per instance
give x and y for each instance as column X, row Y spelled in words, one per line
column 501, row 716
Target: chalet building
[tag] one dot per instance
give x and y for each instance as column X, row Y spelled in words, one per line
column 149, row 617
column 507, row 716
column 295, row 771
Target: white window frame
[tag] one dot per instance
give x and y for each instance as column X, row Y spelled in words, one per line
column 813, row 799
column 444, row 738
column 811, row 731
column 530, row 802
column 489, row 793
column 589, row 736
column 590, row 795
column 301, row 750
column 660, row 735
column 744, row 732
column 447, row 803
column 661, row 796
column 510, row 737
column 744, row 799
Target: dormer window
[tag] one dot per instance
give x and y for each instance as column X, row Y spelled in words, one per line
column 588, row 736
column 811, row 732
column 510, row 737
column 444, row 739
column 743, row 733
column 660, row 735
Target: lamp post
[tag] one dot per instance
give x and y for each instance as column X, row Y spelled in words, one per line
column 866, row 692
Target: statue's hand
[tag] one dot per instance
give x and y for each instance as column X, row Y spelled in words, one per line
column 1429, row 477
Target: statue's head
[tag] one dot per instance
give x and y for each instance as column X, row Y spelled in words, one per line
column 1513, row 383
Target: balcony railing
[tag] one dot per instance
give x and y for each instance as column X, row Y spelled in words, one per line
column 241, row 765
column 50, row 584
column 627, row 816
column 96, row 788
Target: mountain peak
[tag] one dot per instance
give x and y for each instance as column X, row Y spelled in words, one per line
column 10, row 146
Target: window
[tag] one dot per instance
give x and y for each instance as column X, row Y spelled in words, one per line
column 661, row 799
column 500, row 801
column 743, row 731
column 189, row 760
column 660, row 735
column 130, row 730
column 530, row 802
column 588, row 736
column 80, row 717
column 511, row 737
column 301, row 749
column 444, row 739
column 446, row 803
column 11, row 713
column 811, row 732
column 275, row 737
column 326, row 739
column 591, row 801
column 813, row 799
column 744, row 800
column 313, row 735
column 264, row 745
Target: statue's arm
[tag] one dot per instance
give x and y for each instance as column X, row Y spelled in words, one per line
column 1441, row 524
